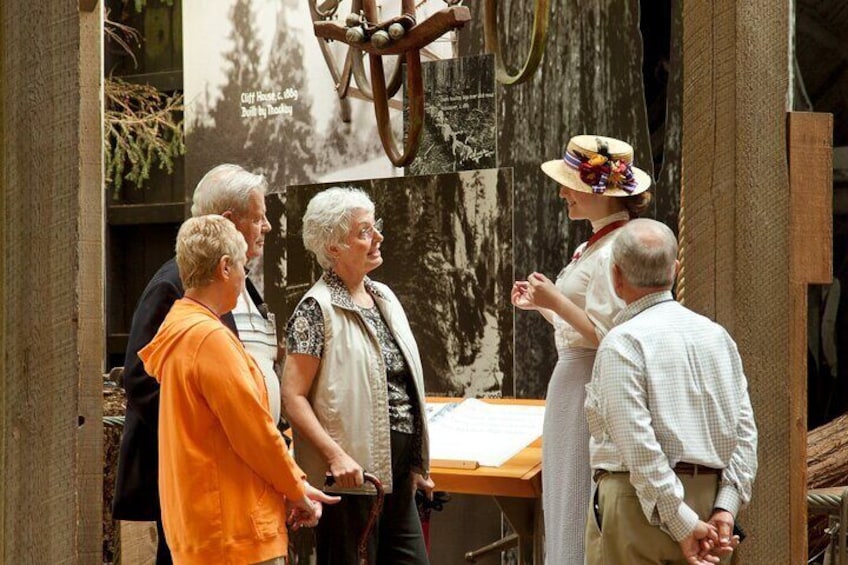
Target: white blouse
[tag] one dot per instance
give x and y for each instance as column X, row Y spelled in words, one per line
column 587, row 281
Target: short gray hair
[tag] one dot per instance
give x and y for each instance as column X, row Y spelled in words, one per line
column 201, row 243
column 645, row 251
column 226, row 187
column 328, row 217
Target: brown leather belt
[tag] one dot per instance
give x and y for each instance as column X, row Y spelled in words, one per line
column 692, row 469
column 682, row 468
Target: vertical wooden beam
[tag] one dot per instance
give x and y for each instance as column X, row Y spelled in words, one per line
column 811, row 256
column 51, row 283
column 89, row 285
column 736, row 229
column 811, row 196
column 4, row 18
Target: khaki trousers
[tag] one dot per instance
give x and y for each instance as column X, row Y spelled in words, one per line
column 618, row 533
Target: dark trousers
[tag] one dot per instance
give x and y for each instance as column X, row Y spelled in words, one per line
column 396, row 539
column 163, row 553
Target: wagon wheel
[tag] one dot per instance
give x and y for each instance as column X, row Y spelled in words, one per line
column 353, row 60
column 395, row 79
column 325, row 11
column 415, row 100
column 416, row 37
column 414, row 95
column 541, row 20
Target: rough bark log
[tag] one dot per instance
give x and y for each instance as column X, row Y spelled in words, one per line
column 827, row 456
column 827, row 466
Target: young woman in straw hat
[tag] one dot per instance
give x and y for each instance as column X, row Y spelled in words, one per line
column 599, row 183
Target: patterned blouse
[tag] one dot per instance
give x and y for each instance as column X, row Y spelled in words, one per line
column 305, row 335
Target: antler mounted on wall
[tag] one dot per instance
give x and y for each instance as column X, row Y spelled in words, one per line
column 400, row 36
column 541, row 20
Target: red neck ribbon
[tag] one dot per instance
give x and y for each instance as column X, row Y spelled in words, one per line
column 598, row 235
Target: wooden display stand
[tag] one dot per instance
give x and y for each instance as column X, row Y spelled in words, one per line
column 516, row 487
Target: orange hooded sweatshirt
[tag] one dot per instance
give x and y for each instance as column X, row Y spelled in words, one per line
column 224, row 470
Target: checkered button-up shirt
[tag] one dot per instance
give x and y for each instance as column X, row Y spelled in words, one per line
column 668, row 387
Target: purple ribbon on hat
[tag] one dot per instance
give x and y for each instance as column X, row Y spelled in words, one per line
column 598, row 176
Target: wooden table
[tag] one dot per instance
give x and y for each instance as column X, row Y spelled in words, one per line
column 516, row 487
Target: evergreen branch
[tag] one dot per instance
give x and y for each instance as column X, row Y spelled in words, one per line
column 142, row 127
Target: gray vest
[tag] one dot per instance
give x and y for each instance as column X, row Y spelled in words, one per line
column 349, row 395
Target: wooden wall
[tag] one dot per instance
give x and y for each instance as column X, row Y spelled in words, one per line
column 51, row 286
column 89, row 284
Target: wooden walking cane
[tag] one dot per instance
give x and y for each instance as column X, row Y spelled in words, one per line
column 398, row 36
column 541, row 20
column 376, row 508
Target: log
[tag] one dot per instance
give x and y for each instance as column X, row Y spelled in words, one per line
column 827, row 466
column 827, row 457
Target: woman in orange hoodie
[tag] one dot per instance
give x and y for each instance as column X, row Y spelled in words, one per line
column 226, row 479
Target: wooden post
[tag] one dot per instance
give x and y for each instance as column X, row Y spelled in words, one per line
column 91, row 344
column 138, row 542
column 811, row 256
column 738, row 237
column 51, row 285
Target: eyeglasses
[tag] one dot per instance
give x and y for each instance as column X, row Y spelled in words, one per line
column 368, row 233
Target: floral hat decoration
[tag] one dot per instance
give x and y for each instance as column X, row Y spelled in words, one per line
column 599, row 165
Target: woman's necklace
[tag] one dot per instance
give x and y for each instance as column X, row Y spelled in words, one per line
column 204, row 305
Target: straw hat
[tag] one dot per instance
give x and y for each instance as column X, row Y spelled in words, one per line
column 599, row 165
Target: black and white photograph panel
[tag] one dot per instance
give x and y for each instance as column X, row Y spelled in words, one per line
column 460, row 124
column 261, row 91
column 447, row 254
column 259, row 94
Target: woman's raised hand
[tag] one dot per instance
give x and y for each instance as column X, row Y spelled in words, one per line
column 346, row 472
column 541, row 292
column 519, row 296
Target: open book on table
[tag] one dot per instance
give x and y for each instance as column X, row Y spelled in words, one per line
column 471, row 432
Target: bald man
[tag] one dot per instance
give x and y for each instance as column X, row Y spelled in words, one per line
column 673, row 444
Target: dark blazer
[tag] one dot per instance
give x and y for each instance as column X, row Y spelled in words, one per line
column 137, row 481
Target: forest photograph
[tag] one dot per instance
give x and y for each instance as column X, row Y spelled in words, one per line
column 460, row 124
column 448, row 257
column 258, row 94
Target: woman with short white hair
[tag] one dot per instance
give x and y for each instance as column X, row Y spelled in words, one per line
column 225, row 474
column 353, row 387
